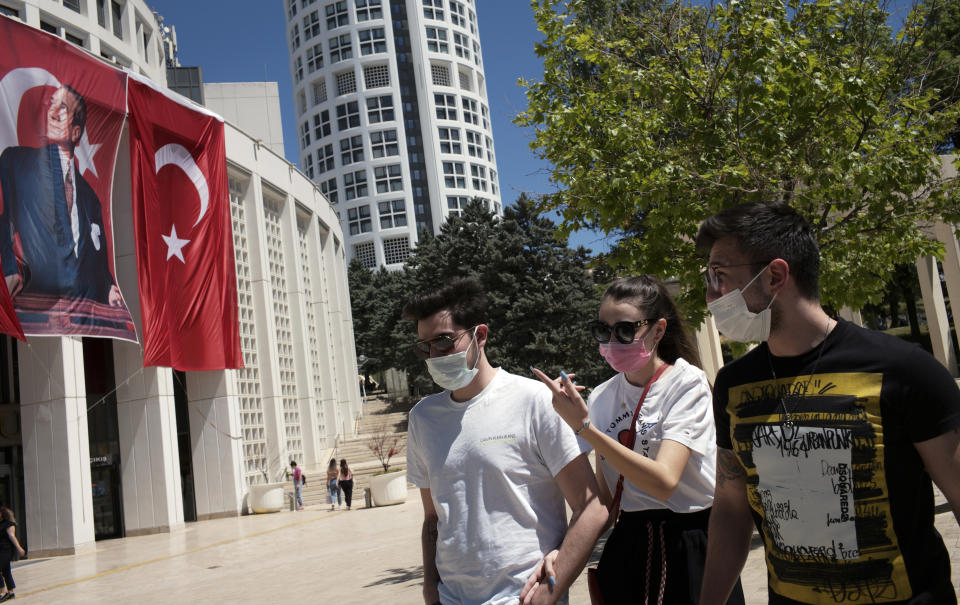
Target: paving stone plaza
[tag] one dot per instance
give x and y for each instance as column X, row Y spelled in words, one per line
column 317, row 555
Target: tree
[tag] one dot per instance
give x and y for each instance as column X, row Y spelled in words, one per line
column 541, row 294
column 655, row 115
column 941, row 43
column 376, row 302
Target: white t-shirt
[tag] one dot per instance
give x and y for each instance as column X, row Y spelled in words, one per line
column 678, row 407
column 490, row 464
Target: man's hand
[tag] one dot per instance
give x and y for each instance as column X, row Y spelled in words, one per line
column 544, row 573
column 114, row 297
column 14, row 284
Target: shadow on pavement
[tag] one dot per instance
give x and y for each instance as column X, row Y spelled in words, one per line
column 399, row 576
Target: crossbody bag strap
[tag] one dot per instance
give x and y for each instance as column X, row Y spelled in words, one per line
column 632, row 439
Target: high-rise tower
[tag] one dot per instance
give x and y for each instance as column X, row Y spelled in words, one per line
column 392, row 116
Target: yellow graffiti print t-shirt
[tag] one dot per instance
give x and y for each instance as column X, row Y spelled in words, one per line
column 841, row 498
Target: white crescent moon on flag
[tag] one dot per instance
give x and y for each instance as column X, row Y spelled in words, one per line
column 12, row 86
column 178, row 155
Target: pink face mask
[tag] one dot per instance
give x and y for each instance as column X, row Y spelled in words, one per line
column 626, row 358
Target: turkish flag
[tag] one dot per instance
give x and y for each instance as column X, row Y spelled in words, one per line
column 181, row 218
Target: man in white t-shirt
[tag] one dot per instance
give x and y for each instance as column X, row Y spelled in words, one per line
column 494, row 465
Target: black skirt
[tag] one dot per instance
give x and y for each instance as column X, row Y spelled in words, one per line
column 657, row 557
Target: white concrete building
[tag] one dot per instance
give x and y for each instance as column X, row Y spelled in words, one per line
column 392, row 116
column 93, row 445
column 252, row 106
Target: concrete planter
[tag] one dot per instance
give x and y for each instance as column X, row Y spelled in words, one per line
column 389, row 488
column 267, row 498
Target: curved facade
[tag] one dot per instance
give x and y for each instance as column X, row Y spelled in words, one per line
column 392, row 116
column 104, row 447
column 124, row 32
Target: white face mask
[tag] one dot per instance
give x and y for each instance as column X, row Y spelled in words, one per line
column 736, row 321
column 450, row 371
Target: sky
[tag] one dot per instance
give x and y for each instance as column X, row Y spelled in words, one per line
column 245, row 41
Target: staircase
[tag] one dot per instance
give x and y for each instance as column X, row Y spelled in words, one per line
column 377, row 415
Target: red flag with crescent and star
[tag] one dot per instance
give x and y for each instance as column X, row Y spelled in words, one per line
column 181, row 219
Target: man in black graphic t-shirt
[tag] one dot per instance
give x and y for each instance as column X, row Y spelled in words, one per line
column 828, row 434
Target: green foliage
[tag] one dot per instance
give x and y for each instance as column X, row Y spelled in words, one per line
column 655, row 115
column 541, row 295
column 941, row 43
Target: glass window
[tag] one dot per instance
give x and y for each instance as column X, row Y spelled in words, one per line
column 329, row 189
column 383, row 143
column 351, row 150
column 433, row 9
column 453, row 175
column 359, row 220
column 437, row 40
column 325, row 159
column 449, row 140
column 314, row 58
column 461, row 45
column 369, row 9
column 355, row 184
column 348, row 115
column 372, row 41
column 337, row 14
column 311, row 25
column 341, row 48
column 446, row 106
column 392, row 214
column 388, row 178
column 321, row 124
column 380, row 109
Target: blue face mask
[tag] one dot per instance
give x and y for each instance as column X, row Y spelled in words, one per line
column 450, row 371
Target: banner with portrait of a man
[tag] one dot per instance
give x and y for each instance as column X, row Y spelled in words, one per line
column 61, row 117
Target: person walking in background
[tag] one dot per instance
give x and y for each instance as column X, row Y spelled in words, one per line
column 8, row 545
column 333, row 483
column 652, row 427
column 298, row 482
column 346, row 482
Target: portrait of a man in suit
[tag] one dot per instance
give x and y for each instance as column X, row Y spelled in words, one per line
column 52, row 237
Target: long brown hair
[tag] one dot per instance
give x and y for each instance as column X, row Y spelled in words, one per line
column 650, row 296
column 7, row 514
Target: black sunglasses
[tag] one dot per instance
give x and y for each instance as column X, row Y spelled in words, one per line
column 442, row 344
column 623, row 331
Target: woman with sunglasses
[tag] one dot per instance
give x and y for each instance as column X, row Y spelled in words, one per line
column 664, row 483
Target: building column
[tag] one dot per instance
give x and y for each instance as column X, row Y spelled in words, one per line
column 851, row 315
column 146, row 412
column 216, row 444
column 936, row 311
column 296, row 226
column 56, row 447
column 149, row 454
column 326, row 335
column 951, row 269
column 271, row 390
column 708, row 343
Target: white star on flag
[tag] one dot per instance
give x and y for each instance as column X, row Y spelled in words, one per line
column 85, row 152
column 175, row 245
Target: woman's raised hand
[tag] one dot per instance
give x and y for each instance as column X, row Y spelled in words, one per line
column 566, row 398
